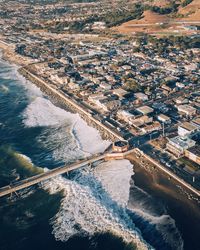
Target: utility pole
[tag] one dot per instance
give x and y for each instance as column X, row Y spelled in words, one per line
column 163, row 129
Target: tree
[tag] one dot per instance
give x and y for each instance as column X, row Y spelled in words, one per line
column 132, row 85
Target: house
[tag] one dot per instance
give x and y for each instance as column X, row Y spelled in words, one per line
column 177, row 145
column 187, row 129
column 187, row 110
column 164, row 119
column 182, row 100
column 180, row 85
column 120, row 92
column 105, row 86
column 196, row 122
column 145, row 110
column 141, row 96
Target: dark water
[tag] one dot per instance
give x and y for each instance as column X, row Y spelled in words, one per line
column 30, row 136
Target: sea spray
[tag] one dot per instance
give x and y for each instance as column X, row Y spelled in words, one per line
column 158, row 228
column 41, row 112
column 82, row 213
column 66, row 130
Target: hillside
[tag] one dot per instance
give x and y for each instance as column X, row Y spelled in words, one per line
column 153, row 21
column 191, row 12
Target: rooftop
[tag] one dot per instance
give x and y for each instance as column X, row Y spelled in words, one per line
column 145, row 110
column 188, row 126
column 182, row 142
column 195, row 150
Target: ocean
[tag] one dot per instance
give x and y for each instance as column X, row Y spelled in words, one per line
column 90, row 208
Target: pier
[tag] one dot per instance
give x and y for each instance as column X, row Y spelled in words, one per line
column 47, row 175
column 14, row 187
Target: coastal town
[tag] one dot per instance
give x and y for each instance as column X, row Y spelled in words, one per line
column 142, row 87
column 99, row 124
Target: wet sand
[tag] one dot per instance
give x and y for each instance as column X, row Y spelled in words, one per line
column 184, row 211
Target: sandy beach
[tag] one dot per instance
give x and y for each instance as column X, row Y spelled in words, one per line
column 180, row 207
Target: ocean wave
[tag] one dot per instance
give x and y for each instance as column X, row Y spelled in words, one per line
column 10, row 72
column 4, row 88
column 105, row 186
column 120, row 171
column 42, row 113
column 87, row 208
column 158, row 228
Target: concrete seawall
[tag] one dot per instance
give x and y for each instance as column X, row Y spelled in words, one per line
column 105, row 131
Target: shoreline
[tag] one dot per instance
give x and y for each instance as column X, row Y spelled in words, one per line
column 9, row 55
column 103, row 130
column 69, row 103
column 153, row 169
column 183, row 210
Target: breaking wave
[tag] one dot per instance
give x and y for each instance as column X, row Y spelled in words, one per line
column 158, row 228
column 68, row 130
column 93, row 203
column 87, row 209
column 95, row 199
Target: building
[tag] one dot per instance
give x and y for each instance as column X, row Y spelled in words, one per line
column 145, row 110
column 125, row 115
column 148, row 128
column 196, row 122
column 182, row 100
column 187, row 129
column 138, row 122
column 164, row 119
column 187, row 110
column 99, row 101
column 105, row 86
column 180, row 85
column 120, row 146
column 141, row 96
column 177, row 145
column 120, row 92
column 193, row 154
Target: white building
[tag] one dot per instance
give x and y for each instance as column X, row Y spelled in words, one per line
column 187, row 129
column 164, row 119
column 177, row 145
column 141, row 96
column 187, row 110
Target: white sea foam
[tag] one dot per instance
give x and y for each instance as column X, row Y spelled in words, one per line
column 41, row 112
column 155, row 214
column 87, row 209
column 4, row 88
column 115, row 177
column 10, row 72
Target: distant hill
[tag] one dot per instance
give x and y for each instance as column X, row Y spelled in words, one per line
column 164, row 16
column 191, row 12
